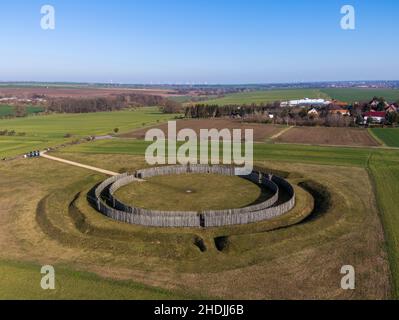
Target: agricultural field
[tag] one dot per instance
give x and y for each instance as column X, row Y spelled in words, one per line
column 74, row 91
column 351, row 95
column 49, row 130
column 277, row 152
column 389, row 136
column 265, row 96
column 262, row 132
column 7, row 110
column 328, row 136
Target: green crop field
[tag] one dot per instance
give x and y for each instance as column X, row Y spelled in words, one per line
column 7, row 110
column 49, row 130
column 390, row 136
column 351, row 95
column 265, row 96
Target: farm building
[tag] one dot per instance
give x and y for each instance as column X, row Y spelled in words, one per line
column 375, row 117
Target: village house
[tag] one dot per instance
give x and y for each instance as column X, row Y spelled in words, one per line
column 313, row 112
column 342, row 112
column 376, row 117
column 374, row 104
column 340, row 104
column 393, row 108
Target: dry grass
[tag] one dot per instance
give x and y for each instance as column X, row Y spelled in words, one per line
column 41, row 222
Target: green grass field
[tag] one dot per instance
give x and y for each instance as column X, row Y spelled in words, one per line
column 351, row 95
column 192, row 192
column 265, row 96
column 384, row 167
column 22, row 281
column 49, row 130
column 390, row 136
column 278, row 152
column 7, row 110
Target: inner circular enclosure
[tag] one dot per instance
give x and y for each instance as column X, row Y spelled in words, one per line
column 193, row 192
column 102, row 199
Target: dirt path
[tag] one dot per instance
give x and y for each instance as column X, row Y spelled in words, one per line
column 76, row 164
column 280, row 133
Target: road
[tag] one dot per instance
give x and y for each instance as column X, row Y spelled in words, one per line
column 76, row 164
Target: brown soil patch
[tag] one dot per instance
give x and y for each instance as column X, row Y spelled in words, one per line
column 329, row 136
column 79, row 92
column 261, row 131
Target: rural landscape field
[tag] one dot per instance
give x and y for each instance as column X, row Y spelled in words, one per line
column 214, row 152
column 346, row 194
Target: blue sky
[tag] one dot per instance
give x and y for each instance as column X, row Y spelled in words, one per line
column 199, row 41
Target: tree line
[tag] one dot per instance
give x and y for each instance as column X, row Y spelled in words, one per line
column 112, row 103
column 216, row 111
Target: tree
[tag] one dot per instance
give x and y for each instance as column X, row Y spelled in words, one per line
column 116, row 130
column 171, row 106
column 393, row 117
column 303, row 113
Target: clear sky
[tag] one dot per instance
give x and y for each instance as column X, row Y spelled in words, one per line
column 200, row 41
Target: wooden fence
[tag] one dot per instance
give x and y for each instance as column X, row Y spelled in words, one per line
column 105, row 201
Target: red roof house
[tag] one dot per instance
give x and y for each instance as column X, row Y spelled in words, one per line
column 375, row 114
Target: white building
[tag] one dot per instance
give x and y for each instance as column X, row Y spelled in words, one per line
column 305, row 102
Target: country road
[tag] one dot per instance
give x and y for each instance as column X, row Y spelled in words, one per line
column 281, row 133
column 76, row 164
